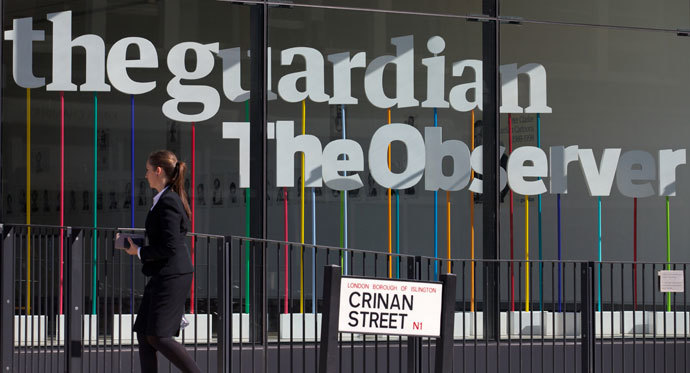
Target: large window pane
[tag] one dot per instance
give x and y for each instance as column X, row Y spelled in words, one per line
column 329, row 33
column 609, row 90
column 109, row 115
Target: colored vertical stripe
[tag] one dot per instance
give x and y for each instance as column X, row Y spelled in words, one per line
column 600, row 256
column 247, row 230
column 527, row 283
column 558, row 219
column 313, row 250
column 131, row 204
column 472, row 219
column 668, row 248
column 342, row 225
column 435, row 216
column 390, row 233
column 28, row 201
column 448, row 228
column 397, row 232
column 301, row 227
column 285, row 238
column 512, row 278
column 94, row 294
column 62, row 196
column 635, row 253
column 343, row 201
column 193, row 248
column 247, row 217
column 541, row 265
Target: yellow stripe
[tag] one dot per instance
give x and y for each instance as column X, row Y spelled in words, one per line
column 301, row 237
column 472, row 221
column 527, row 252
column 28, row 200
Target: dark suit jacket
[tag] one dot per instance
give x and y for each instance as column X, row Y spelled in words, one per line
column 166, row 229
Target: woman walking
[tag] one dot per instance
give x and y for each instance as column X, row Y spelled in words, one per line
column 168, row 264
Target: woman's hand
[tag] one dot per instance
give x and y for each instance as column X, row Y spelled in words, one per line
column 132, row 249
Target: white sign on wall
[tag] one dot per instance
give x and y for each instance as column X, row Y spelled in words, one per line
column 671, row 281
column 392, row 307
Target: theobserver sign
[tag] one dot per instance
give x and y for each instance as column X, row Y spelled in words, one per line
column 633, row 171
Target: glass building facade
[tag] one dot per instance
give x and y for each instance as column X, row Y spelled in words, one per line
column 90, row 88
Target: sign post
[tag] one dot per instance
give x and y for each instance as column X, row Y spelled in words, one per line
column 387, row 307
column 414, row 345
column 328, row 351
column 444, row 344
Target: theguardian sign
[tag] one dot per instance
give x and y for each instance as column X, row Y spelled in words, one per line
column 182, row 88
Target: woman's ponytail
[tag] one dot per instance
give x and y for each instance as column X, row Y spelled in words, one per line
column 177, row 184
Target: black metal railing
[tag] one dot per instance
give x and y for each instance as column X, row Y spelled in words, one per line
column 69, row 300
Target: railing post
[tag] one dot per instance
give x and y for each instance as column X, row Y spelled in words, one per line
column 257, row 314
column 7, row 293
column 588, row 318
column 225, row 305
column 74, row 313
column 492, row 306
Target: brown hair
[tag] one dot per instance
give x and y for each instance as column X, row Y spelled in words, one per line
column 174, row 171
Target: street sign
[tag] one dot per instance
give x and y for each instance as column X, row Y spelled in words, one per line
column 391, row 307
